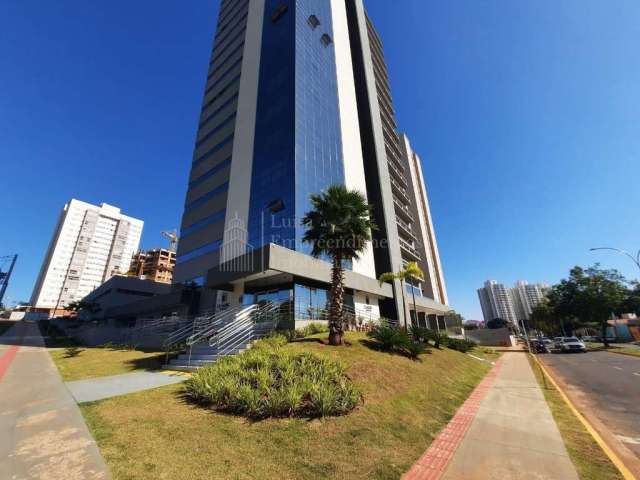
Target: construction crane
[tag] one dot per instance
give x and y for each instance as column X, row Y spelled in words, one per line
column 172, row 236
column 5, row 274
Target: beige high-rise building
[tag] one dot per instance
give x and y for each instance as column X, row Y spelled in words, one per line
column 420, row 231
column 89, row 245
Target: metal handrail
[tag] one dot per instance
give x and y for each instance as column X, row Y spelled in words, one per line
column 244, row 317
column 198, row 322
column 213, row 326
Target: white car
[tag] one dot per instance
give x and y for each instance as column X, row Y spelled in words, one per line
column 569, row 344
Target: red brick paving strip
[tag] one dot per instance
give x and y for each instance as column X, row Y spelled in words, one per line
column 7, row 358
column 431, row 465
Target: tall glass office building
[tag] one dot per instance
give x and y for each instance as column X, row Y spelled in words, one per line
column 297, row 99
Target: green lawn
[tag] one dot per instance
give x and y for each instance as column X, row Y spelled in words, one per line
column 635, row 352
column 77, row 363
column 158, row 434
column 587, row 456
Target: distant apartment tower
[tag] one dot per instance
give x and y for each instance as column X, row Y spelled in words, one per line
column 297, row 99
column 156, row 265
column 526, row 297
column 496, row 302
column 90, row 244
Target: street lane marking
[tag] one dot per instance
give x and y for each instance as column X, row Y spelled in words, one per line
column 618, row 368
column 631, row 440
column 636, row 374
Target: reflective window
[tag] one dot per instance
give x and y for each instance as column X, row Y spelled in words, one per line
column 211, row 172
column 200, row 224
column 206, row 197
column 198, row 252
column 297, row 93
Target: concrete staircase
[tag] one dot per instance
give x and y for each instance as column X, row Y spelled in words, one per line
column 201, row 354
column 233, row 333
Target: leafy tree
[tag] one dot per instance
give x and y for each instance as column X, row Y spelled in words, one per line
column 590, row 296
column 543, row 318
column 632, row 302
column 411, row 272
column 338, row 226
column 82, row 306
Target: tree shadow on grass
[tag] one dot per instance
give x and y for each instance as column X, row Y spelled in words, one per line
column 150, row 364
column 310, row 340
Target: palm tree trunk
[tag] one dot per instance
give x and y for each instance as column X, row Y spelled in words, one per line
column 336, row 302
column 404, row 303
column 415, row 309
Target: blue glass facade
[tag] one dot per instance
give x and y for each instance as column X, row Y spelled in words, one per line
column 272, row 176
column 317, row 138
column 298, row 148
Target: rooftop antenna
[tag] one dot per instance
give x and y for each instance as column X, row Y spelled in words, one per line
column 172, row 236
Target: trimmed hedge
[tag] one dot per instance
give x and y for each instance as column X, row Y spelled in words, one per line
column 460, row 345
column 270, row 381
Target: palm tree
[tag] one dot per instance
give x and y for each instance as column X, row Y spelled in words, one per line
column 411, row 272
column 338, row 226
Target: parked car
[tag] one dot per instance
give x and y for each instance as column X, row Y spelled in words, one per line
column 591, row 339
column 568, row 344
column 538, row 346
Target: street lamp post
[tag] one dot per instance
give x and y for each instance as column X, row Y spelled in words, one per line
column 635, row 259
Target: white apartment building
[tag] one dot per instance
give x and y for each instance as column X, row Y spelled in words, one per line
column 90, row 244
column 496, row 302
column 511, row 304
column 526, row 296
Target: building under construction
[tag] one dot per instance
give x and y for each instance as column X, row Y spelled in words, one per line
column 156, row 265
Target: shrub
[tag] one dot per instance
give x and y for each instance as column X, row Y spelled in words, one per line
column 392, row 339
column 460, row 345
column 388, row 338
column 414, row 349
column 311, row 329
column 436, row 337
column 420, row 334
column 269, row 381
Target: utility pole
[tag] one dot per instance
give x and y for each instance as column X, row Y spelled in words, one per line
column 5, row 276
column 635, row 260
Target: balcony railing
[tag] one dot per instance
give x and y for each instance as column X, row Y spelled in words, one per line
column 403, row 210
column 409, row 249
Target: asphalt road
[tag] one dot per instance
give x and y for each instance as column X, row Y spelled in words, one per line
column 610, row 384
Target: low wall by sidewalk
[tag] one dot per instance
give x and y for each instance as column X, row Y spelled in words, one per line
column 497, row 337
column 94, row 334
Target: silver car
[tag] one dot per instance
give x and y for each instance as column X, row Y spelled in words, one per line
column 568, row 345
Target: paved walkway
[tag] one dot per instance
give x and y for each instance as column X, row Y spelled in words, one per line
column 42, row 432
column 93, row 389
column 505, row 430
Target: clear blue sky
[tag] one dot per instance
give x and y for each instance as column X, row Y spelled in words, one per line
column 526, row 115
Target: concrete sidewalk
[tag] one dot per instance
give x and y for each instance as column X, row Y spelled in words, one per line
column 513, row 435
column 42, row 432
column 93, row 389
column 505, row 430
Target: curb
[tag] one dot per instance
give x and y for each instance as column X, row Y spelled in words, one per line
column 624, row 471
